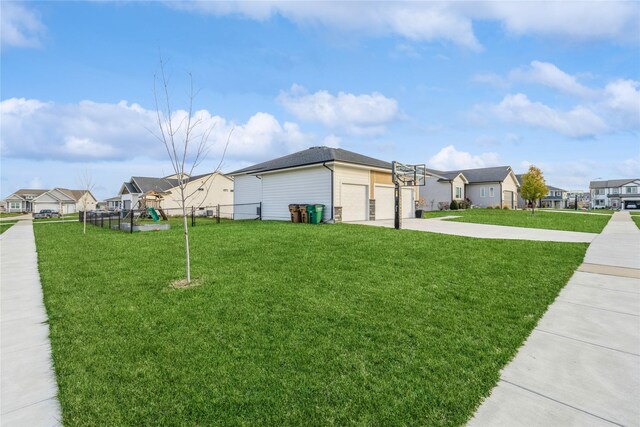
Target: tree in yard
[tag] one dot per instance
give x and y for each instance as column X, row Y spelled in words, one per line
column 533, row 186
column 185, row 137
column 87, row 184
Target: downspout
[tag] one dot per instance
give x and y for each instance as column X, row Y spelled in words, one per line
column 325, row 165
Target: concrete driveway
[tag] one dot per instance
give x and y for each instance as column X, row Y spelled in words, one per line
column 485, row 231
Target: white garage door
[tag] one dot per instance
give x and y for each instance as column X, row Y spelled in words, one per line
column 408, row 207
column 385, row 202
column 40, row 206
column 354, row 202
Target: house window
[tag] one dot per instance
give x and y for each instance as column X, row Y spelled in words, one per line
column 483, row 192
column 458, row 192
column 599, row 191
column 631, row 190
column 14, row 205
column 490, row 191
column 615, row 190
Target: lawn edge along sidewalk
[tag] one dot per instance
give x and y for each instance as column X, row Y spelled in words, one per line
column 28, row 388
column 581, row 364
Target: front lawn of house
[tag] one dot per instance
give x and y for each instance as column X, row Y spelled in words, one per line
column 636, row 219
column 291, row 324
column 520, row 218
column 4, row 226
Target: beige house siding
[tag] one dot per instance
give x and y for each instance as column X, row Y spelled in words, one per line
column 217, row 190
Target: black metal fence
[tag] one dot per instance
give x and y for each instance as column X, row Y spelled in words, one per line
column 130, row 220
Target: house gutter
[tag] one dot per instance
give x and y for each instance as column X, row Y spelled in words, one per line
column 325, row 165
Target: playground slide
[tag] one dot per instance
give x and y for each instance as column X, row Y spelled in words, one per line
column 153, row 214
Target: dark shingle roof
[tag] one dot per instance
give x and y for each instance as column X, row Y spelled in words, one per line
column 612, row 183
column 443, row 175
column 28, row 192
column 494, row 174
column 146, row 184
column 312, row 156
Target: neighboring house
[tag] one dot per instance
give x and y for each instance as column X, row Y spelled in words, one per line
column 65, row 201
column 352, row 187
column 556, row 198
column 3, row 206
column 579, row 196
column 615, row 194
column 22, row 200
column 491, row 187
column 442, row 188
column 114, row 203
column 205, row 190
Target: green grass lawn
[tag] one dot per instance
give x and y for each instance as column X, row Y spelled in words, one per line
column 4, row 226
column 9, row 214
column 636, row 219
column 292, row 324
column 520, row 218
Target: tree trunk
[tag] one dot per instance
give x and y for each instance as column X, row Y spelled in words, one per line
column 186, row 242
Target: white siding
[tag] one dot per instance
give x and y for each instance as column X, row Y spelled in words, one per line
column 212, row 194
column 408, row 204
column 299, row 186
column 247, row 189
column 385, row 202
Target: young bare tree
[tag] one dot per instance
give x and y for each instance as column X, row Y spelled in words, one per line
column 87, row 184
column 186, row 141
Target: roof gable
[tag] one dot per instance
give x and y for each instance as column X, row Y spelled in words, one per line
column 312, row 156
column 493, row 174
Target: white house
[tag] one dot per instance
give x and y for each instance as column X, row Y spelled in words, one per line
column 65, row 201
column 202, row 191
column 62, row 200
column 615, row 194
column 22, row 200
column 352, row 187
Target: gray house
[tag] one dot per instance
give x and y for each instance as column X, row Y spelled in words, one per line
column 615, row 194
column 441, row 188
column 492, row 187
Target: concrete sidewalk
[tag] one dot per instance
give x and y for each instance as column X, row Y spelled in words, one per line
column 581, row 364
column 485, row 231
column 28, row 387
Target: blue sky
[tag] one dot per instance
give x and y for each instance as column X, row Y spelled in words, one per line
column 453, row 85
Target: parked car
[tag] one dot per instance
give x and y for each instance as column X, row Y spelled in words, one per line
column 47, row 213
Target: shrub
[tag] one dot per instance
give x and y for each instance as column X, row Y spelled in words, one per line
column 454, row 205
column 443, row 206
column 464, row 204
column 505, row 207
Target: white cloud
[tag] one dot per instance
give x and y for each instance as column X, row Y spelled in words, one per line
column 354, row 114
column 332, row 141
column 607, row 20
column 90, row 131
column 578, row 122
column 451, row 22
column 19, row 26
column 451, row 159
column 622, row 98
column 491, row 79
column 549, row 75
column 629, row 168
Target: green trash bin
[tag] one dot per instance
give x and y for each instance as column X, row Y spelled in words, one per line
column 315, row 216
column 311, row 212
